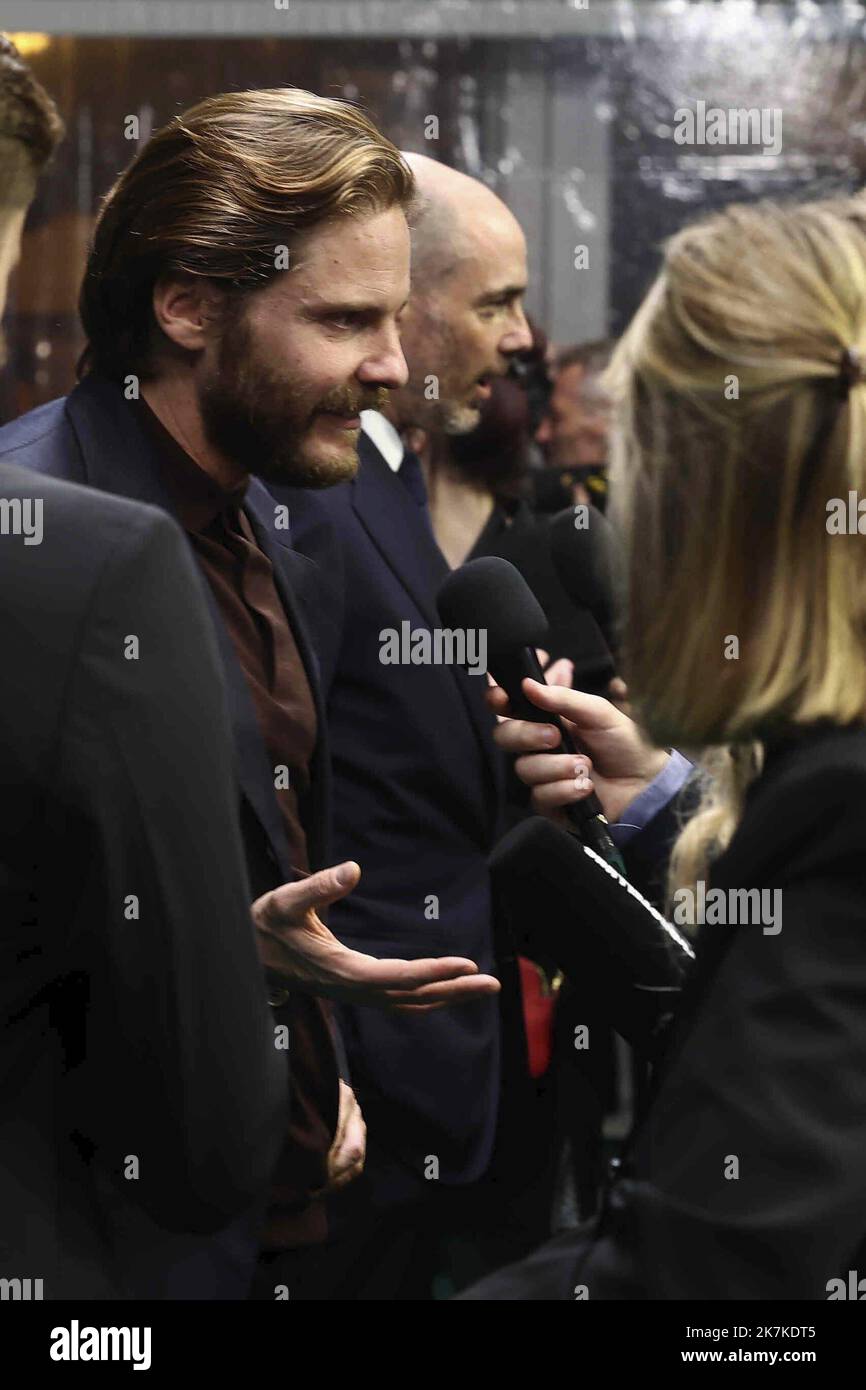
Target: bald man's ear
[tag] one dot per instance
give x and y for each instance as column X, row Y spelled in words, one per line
column 189, row 309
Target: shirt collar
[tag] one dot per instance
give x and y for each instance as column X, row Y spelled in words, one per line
column 196, row 496
column 379, row 429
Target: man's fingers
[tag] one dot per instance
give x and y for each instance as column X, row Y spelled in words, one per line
column 344, row 1177
column 350, row 1139
column 349, row 1147
column 350, row 1151
column 344, row 1113
column 320, row 889
column 447, row 972
column 461, row 991
column 356, row 975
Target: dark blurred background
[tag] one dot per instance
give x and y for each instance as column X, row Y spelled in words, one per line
column 567, row 111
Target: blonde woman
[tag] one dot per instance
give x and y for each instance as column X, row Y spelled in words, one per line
column 741, row 459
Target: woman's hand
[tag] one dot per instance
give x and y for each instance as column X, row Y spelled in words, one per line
column 618, row 762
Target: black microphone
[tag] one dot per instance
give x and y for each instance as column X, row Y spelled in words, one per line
column 588, row 566
column 566, row 904
column 490, row 595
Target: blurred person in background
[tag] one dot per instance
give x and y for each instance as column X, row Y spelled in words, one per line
column 573, row 431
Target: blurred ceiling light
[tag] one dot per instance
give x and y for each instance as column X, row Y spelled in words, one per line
column 28, row 44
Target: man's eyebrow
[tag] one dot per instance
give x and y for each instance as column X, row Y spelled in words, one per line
column 507, row 292
column 349, row 306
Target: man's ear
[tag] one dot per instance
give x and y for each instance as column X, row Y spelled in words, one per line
column 188, row 309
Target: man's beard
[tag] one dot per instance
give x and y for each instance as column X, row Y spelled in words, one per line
column 449, row 412
column 457, row 418
column 260, row 421
column 447, row 415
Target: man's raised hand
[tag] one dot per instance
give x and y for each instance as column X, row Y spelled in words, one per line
column 295, row 945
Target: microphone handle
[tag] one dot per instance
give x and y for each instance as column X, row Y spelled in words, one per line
column 587, row 818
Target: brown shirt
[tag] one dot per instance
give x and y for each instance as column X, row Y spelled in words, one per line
column 241, row 578
column 242, row 581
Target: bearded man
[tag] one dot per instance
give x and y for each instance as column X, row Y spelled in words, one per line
column 419, row 789
column 240, row 303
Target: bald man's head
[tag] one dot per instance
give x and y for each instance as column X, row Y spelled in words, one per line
column 446, row 205
column 465, row 317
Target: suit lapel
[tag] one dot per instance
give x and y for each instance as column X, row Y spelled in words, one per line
column 391, row 517
column 393, row 520
column 118, row 458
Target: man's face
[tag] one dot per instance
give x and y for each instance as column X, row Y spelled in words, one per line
column 465, row 329
column 282, row 385
column 575, row 427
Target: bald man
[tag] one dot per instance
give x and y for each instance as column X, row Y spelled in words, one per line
column 463, row 325
column 418, row 785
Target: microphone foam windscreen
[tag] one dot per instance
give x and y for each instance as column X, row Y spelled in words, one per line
column 564, row 903
column 491, row 594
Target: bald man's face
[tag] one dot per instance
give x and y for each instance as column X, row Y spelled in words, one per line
column 465, row 328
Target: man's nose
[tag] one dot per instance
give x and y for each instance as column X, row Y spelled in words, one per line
column 518, row 336
column 387, row 366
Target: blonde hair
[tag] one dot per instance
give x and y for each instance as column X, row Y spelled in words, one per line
column 746, row 618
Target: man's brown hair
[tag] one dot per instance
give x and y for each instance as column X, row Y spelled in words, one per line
column 30, row 128
column 215, row 193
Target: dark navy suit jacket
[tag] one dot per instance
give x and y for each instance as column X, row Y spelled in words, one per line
column 417, row 803
column 120, row 1036
column 91, row 437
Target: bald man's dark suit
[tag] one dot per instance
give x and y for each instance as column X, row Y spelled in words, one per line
column 419, row 804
